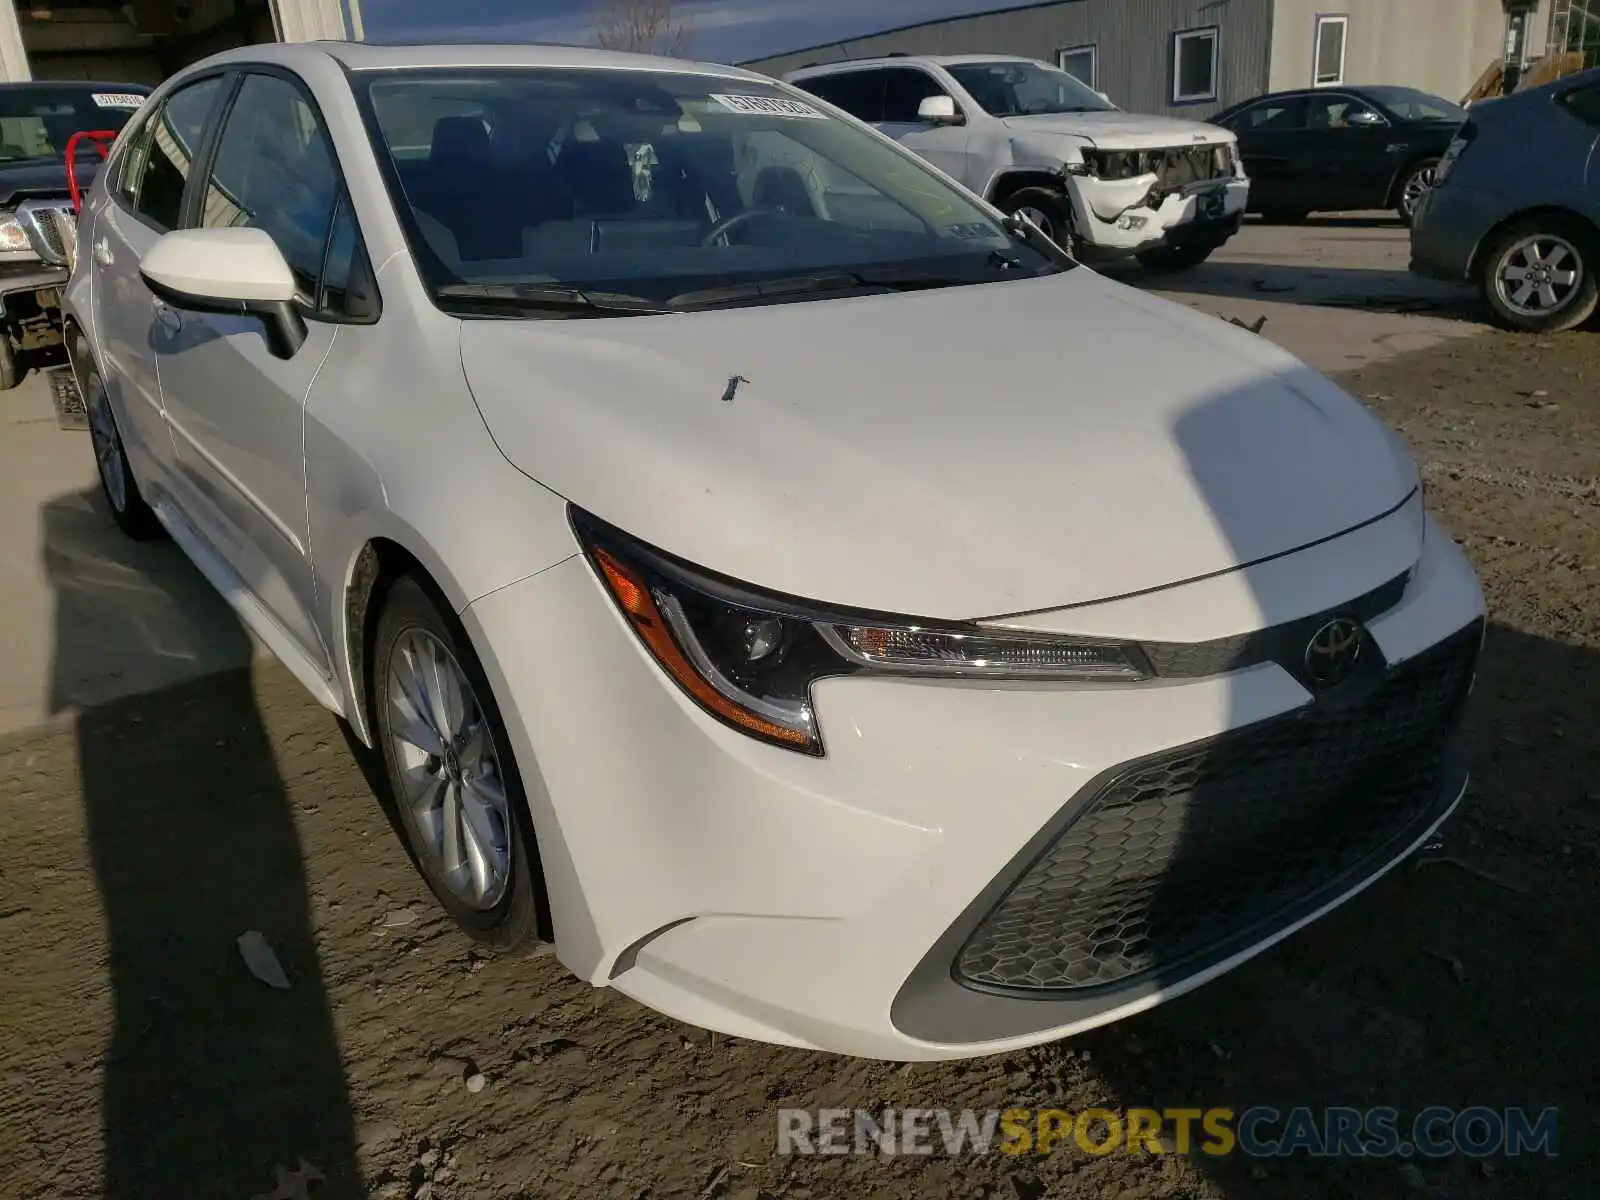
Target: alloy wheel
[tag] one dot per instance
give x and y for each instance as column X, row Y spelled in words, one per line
column 450, row 776
column 1041, row 219
column 1418, row 186
column 1539, row 275
column 107, row 446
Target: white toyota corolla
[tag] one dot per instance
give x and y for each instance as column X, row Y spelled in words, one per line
column 827, row 612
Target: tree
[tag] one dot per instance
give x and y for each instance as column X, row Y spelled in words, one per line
column 641, row 26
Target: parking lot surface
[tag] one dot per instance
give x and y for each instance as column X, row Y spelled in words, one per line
column 148, row 831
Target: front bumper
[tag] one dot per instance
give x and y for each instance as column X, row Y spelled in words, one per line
column 1203, row 211
column 828, row 903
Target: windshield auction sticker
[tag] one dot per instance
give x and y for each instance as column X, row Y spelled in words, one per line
column 769, row 106
column 118, row 99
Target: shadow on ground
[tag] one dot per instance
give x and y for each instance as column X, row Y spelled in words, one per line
column 1310, row 283
column 212, row 1078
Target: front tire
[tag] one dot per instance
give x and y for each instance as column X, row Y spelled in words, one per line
column 1538, row 274
column 450, row 770
column 117, row 484
column 1047, row 208
column 1416, row 183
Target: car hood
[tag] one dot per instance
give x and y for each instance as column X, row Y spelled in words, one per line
column 36, row 178
column 960, row 453
column 1119, row 130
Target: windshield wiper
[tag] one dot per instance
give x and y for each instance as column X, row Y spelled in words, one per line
column 819, row 282
column 553, row 298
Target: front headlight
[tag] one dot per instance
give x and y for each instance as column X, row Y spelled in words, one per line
column 13, row 237
column 749, row 658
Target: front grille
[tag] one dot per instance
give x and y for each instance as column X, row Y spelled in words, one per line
column 1175, row 167
column 1192, row 854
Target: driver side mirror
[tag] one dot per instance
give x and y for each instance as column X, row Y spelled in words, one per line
column 939, row 110
column 228, row 271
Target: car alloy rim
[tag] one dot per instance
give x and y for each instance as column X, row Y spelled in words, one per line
column 1416, row 188
column 450, row 778
column 1539, row 275
column 1038, row 217
column 107, row 447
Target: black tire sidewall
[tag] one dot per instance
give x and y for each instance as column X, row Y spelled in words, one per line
column 1054, row 204
column 1578, row 310
column 516, row 919
column 135, row 518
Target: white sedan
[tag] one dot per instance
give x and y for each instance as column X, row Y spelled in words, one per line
column 825, row 610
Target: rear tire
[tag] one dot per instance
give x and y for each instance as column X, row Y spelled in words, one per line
column 117, row 484
column 1538, row 274
column 1182, row 257
column 1412, row 186
column 485, row 871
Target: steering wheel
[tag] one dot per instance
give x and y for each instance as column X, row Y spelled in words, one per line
column 725, row 226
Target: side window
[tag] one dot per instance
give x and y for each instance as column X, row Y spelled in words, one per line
column 274, row 170
column 907, row 88
column 1273, row 116
column 1342, row 112
column 156, row 164
column 859, row 93
column 348, row 290
column 1583, row 103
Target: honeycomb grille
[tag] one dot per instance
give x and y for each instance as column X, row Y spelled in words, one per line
column 1188, row 855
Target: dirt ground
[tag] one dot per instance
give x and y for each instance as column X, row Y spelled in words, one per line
column 139, row 1058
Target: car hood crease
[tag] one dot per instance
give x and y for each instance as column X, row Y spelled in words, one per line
column 958, row 453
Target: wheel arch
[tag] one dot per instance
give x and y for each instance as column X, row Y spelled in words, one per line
column 1392, row 200
column 1492, row 234
column 1008, row 183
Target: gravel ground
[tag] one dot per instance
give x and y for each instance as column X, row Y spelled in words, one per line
column 140, row 1058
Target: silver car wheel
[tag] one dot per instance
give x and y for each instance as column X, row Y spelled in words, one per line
column 1539, row 275
column 1418, row 186
column 107, row 447
column 450, row 778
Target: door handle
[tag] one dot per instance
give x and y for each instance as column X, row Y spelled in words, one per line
column 170, row 318
column 102, row 252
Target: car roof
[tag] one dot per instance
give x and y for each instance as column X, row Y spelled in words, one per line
column 902, row 60
column 75, row 85
column 367, row 56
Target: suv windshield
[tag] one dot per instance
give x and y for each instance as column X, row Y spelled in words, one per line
column 1411, row 105
column 37, row 121
column 1023, row 89
column 559, row 186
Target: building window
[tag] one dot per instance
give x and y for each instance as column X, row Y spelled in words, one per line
column 1079, row 62
column 1194, row 65
column 1329, row 67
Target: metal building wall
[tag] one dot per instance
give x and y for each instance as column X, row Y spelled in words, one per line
column 1440, row 46
column 1133, row 40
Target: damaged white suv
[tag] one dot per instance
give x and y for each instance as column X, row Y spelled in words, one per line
column 1034, row 139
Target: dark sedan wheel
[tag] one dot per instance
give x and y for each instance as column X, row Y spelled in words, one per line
column 450, row 771
column 1537, row 275
column 1416, row 183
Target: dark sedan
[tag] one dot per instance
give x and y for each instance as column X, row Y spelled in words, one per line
column 1341, row 149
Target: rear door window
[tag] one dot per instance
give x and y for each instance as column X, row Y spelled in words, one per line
column 859, row 93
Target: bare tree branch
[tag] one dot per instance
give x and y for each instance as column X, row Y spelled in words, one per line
column 641, row 26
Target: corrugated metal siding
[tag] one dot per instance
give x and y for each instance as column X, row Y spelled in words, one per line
column 1133, row 39
column 1440, row 46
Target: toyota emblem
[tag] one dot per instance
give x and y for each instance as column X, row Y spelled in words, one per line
column 1333, row 652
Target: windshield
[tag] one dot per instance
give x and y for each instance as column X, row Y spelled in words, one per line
column 36, row 122
column 1411, row 105
column 1023, row 89
column 656, row 185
